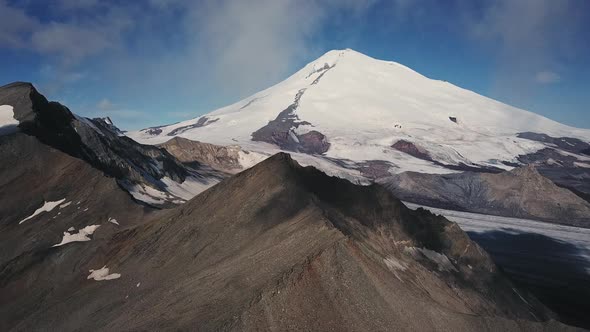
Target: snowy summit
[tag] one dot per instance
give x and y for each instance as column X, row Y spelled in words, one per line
column 349, row 106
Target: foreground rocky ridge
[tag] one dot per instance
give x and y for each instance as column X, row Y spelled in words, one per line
column 277, row 246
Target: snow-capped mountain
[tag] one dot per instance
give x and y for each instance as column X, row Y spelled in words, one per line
column 355, row 116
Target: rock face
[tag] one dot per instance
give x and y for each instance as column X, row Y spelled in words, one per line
column 419, row 152
column 202, row 122
column 282, row 131
column 280, row 247
column 411, row 149
column 96, row 141
column 195, row 154
column 522, row 192
column 569, row 144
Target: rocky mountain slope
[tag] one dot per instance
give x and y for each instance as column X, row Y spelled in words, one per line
column 53, row 207
column 149, row 173
column 276, row 247
column 522, row 192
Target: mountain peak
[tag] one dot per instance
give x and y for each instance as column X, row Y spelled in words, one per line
column 24, row 98
column 18, row 84
column 348, row 106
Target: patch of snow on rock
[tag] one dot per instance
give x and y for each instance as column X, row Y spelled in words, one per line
column 249, row 159
column 65, row 205
column 8, row 124
column 113, row 221
column 394, row 263
column 189, row 188
column 443, row 262
column 47, row 206
column 102, row 274
column 81, row 236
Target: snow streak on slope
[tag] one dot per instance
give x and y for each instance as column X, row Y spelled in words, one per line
column 47, row 206
column 363, row 106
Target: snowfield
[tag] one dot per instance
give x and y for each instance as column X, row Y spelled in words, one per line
column 363, row 106
column 177, row 193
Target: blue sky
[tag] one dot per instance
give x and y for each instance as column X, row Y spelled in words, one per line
column 151, row 62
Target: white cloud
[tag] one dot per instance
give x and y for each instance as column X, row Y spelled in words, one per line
column 251, row 42
column 547, row 77
column 236, row 46
column 77, row 4
column 524, row 38
column 105, row 105
column 15, row 24
column 69, row 40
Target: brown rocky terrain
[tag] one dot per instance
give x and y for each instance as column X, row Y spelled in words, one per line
column 32, row 173
column 276, row 247
column 222, row 158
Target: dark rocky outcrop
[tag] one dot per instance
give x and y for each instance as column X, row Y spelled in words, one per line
column 419, row 152
column 375, row 169
column 201, row 122
column 281, row 247
column 411, row 149
column 97, row 141
column 153, row 131
column 548, row 157
column 323, row 71
column 281, row 132
column 313, row 142
column 565, row 143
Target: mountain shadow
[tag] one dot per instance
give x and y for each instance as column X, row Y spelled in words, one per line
column 556, row 272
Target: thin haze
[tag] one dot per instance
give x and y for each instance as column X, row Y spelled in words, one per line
column 158, row 61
